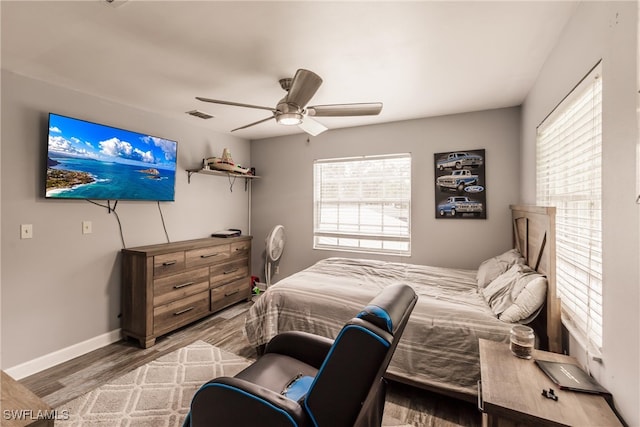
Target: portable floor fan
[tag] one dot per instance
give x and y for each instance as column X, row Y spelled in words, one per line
column 274, row 245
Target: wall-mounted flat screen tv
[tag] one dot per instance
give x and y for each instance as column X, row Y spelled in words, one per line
column 92, row 161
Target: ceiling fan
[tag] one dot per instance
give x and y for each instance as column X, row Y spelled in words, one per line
column 293, row 110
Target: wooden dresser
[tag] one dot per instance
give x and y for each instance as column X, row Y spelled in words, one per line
column 169, row 285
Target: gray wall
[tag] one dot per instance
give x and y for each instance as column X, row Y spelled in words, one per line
column 606, row 30
column 62, row 287
column 284, row 195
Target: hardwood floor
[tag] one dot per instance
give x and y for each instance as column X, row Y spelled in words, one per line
column 76, row 377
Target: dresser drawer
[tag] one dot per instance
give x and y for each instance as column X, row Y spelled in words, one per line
column 176, row 286
column 230, row 293
column 178, row 313
column 241, row 248
column 207, row 256
column 222, row 274
column 168, row 263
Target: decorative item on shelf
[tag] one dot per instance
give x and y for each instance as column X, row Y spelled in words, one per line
column 225, row 163
column 226, row 167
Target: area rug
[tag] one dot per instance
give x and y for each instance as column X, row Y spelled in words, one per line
column 159, row 393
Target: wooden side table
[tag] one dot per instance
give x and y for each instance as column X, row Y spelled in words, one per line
column 21, row 407
column 510, row 393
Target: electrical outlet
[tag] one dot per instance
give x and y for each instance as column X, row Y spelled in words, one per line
column 277, row 269
column 87, row 227
column 26, row 231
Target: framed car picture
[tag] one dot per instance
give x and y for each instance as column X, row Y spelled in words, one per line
column 460, row 189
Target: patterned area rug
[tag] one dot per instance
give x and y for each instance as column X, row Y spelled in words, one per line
column 159, row 393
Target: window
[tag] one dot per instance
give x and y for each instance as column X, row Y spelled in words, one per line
column 363, row 204
column 568, row 175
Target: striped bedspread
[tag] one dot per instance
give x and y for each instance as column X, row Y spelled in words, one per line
column 439, row 347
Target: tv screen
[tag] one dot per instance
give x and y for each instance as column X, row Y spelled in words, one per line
column 91, row 161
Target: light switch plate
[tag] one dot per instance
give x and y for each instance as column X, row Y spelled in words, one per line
column 26, row 231
column 87, row 227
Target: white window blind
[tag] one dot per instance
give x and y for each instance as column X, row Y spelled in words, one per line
column 363, row 204
column 568, row 175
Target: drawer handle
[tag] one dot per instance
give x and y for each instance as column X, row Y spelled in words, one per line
column 183, row 285
column 168, row 263
column 208, row 255
column 241, row 249
column 230, row 271
column 178, row 313
column 231, row 293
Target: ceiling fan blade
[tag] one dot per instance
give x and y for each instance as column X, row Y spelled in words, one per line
column 303, row 86
column 312, row 127
column 236, row 104
column 253, row 124
column 336, row 110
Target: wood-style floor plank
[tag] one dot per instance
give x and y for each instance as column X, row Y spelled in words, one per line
column 67, row 381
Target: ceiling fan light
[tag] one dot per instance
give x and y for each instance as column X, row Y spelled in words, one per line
column 289, row 119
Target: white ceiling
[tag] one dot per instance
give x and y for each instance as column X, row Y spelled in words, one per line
column 420, row 59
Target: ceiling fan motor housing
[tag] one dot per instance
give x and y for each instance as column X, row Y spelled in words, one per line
column 288, row 113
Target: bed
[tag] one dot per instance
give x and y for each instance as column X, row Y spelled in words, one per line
column 456, row 307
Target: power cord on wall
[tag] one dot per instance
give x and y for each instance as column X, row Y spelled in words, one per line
column 164, row 226
column 113, row 211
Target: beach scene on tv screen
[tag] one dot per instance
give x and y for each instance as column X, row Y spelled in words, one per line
column 90, row 161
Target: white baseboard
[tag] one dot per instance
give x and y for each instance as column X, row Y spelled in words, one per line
column 64, row 354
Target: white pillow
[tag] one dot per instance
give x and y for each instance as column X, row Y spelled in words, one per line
column 498, row 293
column 494, row 267
column 516, row 294
column 512, row 256
column 530, row 298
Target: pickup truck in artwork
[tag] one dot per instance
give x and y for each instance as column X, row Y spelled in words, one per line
column 458, row 205
column 459, row 160
column 458, row 180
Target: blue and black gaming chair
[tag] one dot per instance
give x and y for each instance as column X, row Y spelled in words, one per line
column 304, row 380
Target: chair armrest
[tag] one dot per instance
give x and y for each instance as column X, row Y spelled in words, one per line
column 227, row 401
column 303, row 346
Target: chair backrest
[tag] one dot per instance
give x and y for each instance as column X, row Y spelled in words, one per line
column 359, row 358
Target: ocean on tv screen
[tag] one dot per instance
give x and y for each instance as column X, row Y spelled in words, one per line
column 90, row 161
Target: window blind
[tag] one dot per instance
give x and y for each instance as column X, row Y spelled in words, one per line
column 363, row 204
column 569, row 177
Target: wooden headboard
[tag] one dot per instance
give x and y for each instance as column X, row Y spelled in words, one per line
column 534, row 235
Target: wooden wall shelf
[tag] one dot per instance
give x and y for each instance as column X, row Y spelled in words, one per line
column 215, row 172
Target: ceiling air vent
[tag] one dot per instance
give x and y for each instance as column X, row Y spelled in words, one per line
column 114, row 3
column 200, row 114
